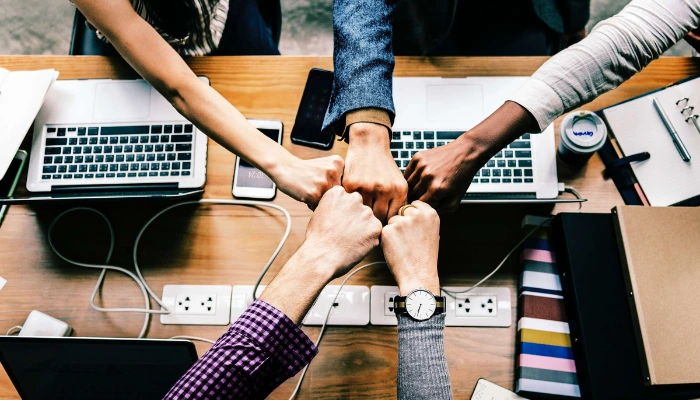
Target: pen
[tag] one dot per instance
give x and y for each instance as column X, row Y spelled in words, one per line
column 672, row 131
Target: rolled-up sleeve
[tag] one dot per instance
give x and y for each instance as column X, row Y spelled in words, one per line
column 262, row 349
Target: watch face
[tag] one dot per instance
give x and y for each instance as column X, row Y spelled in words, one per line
column 420, row 304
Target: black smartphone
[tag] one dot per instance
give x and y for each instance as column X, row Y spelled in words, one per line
column 314, row 102
column 9, row 182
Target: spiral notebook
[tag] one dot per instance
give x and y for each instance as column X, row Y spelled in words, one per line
column 664, row 178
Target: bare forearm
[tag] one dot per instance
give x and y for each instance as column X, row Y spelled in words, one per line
column 222, row 122
column 153, row 58
column 298, row 283
column 506, row 124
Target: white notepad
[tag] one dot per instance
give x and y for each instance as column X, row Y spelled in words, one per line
column 21, row 95
column 665, row 178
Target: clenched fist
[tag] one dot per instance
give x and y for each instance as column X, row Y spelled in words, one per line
column 308, row 180
column 370, row 170
column 342, row 230
column 410, row 244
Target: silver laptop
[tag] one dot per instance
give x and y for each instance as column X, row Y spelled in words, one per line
column 431, row 112
column 114, row 136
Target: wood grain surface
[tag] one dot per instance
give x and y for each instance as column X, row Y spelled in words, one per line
column 212, row 244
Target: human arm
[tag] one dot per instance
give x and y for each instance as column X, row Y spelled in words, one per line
column 153, row 58
column 617, row 48
column 410, row 243
column 364, row 63
column 265, row 347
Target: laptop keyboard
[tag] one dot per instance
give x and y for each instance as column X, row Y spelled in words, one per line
column 74, row 153
column 513, row 164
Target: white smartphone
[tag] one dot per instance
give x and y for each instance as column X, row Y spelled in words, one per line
column 248, row 181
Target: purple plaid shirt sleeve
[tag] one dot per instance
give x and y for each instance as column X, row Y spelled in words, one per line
column 262, row 349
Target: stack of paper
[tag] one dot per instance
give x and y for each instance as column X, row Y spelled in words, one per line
column 21, row 96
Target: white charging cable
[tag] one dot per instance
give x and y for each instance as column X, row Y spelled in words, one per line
column 138, row 277
column 452, row 293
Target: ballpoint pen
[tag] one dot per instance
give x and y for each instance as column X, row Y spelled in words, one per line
column 672, row 131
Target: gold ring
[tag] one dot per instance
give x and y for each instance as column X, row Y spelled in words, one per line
column 403, row 208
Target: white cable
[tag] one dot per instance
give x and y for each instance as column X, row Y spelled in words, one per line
column 185, row 337
column 452, row 294
column 325, row 322
column 104, row 269
column 572, row 190
column 138, row 278
column 13, row 329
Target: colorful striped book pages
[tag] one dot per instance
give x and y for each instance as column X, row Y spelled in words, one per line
column 545, row 361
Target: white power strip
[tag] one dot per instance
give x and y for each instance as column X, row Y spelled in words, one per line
column 351, row 306
column 355, row 306
column 480, row 307
column 196, row 305
column 241, row 298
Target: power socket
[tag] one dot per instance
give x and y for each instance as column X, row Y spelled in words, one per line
column 351, row 306
column 196, row 304
column 382, row 307
column 481, row 306
column 475, row 305
column 471, row 312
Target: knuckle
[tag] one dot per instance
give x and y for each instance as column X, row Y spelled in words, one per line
column 356, row 197
column 351, row 185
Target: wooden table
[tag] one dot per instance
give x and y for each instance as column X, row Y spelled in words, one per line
column 229, row 245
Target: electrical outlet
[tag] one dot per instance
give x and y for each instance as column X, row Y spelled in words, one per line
column 481, row 306
column 382, row 306
column 388, row 306
column 196, row 304
column 475, row 305
column 241, row 298
column 351, row 307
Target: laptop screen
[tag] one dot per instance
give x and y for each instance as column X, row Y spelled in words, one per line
column 91, row 368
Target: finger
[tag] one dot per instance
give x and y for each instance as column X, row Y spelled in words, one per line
column 393, row 220
column 367, row 197
column 419, row 190
column 414, row 178
column 423, row 207
column 431, row 197
column 409, row 211
column 394, row 206
column 381, row 208
column 356, row 197
column 410, row 169
column 337, row 173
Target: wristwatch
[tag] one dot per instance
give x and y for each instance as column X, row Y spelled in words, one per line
column 420, row 304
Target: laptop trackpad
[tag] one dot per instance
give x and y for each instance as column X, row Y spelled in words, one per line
column 464, row 103
column 122, row 100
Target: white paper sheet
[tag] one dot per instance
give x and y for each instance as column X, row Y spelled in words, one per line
column 21, row 95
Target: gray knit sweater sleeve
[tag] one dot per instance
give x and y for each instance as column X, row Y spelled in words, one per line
column 423, row 370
